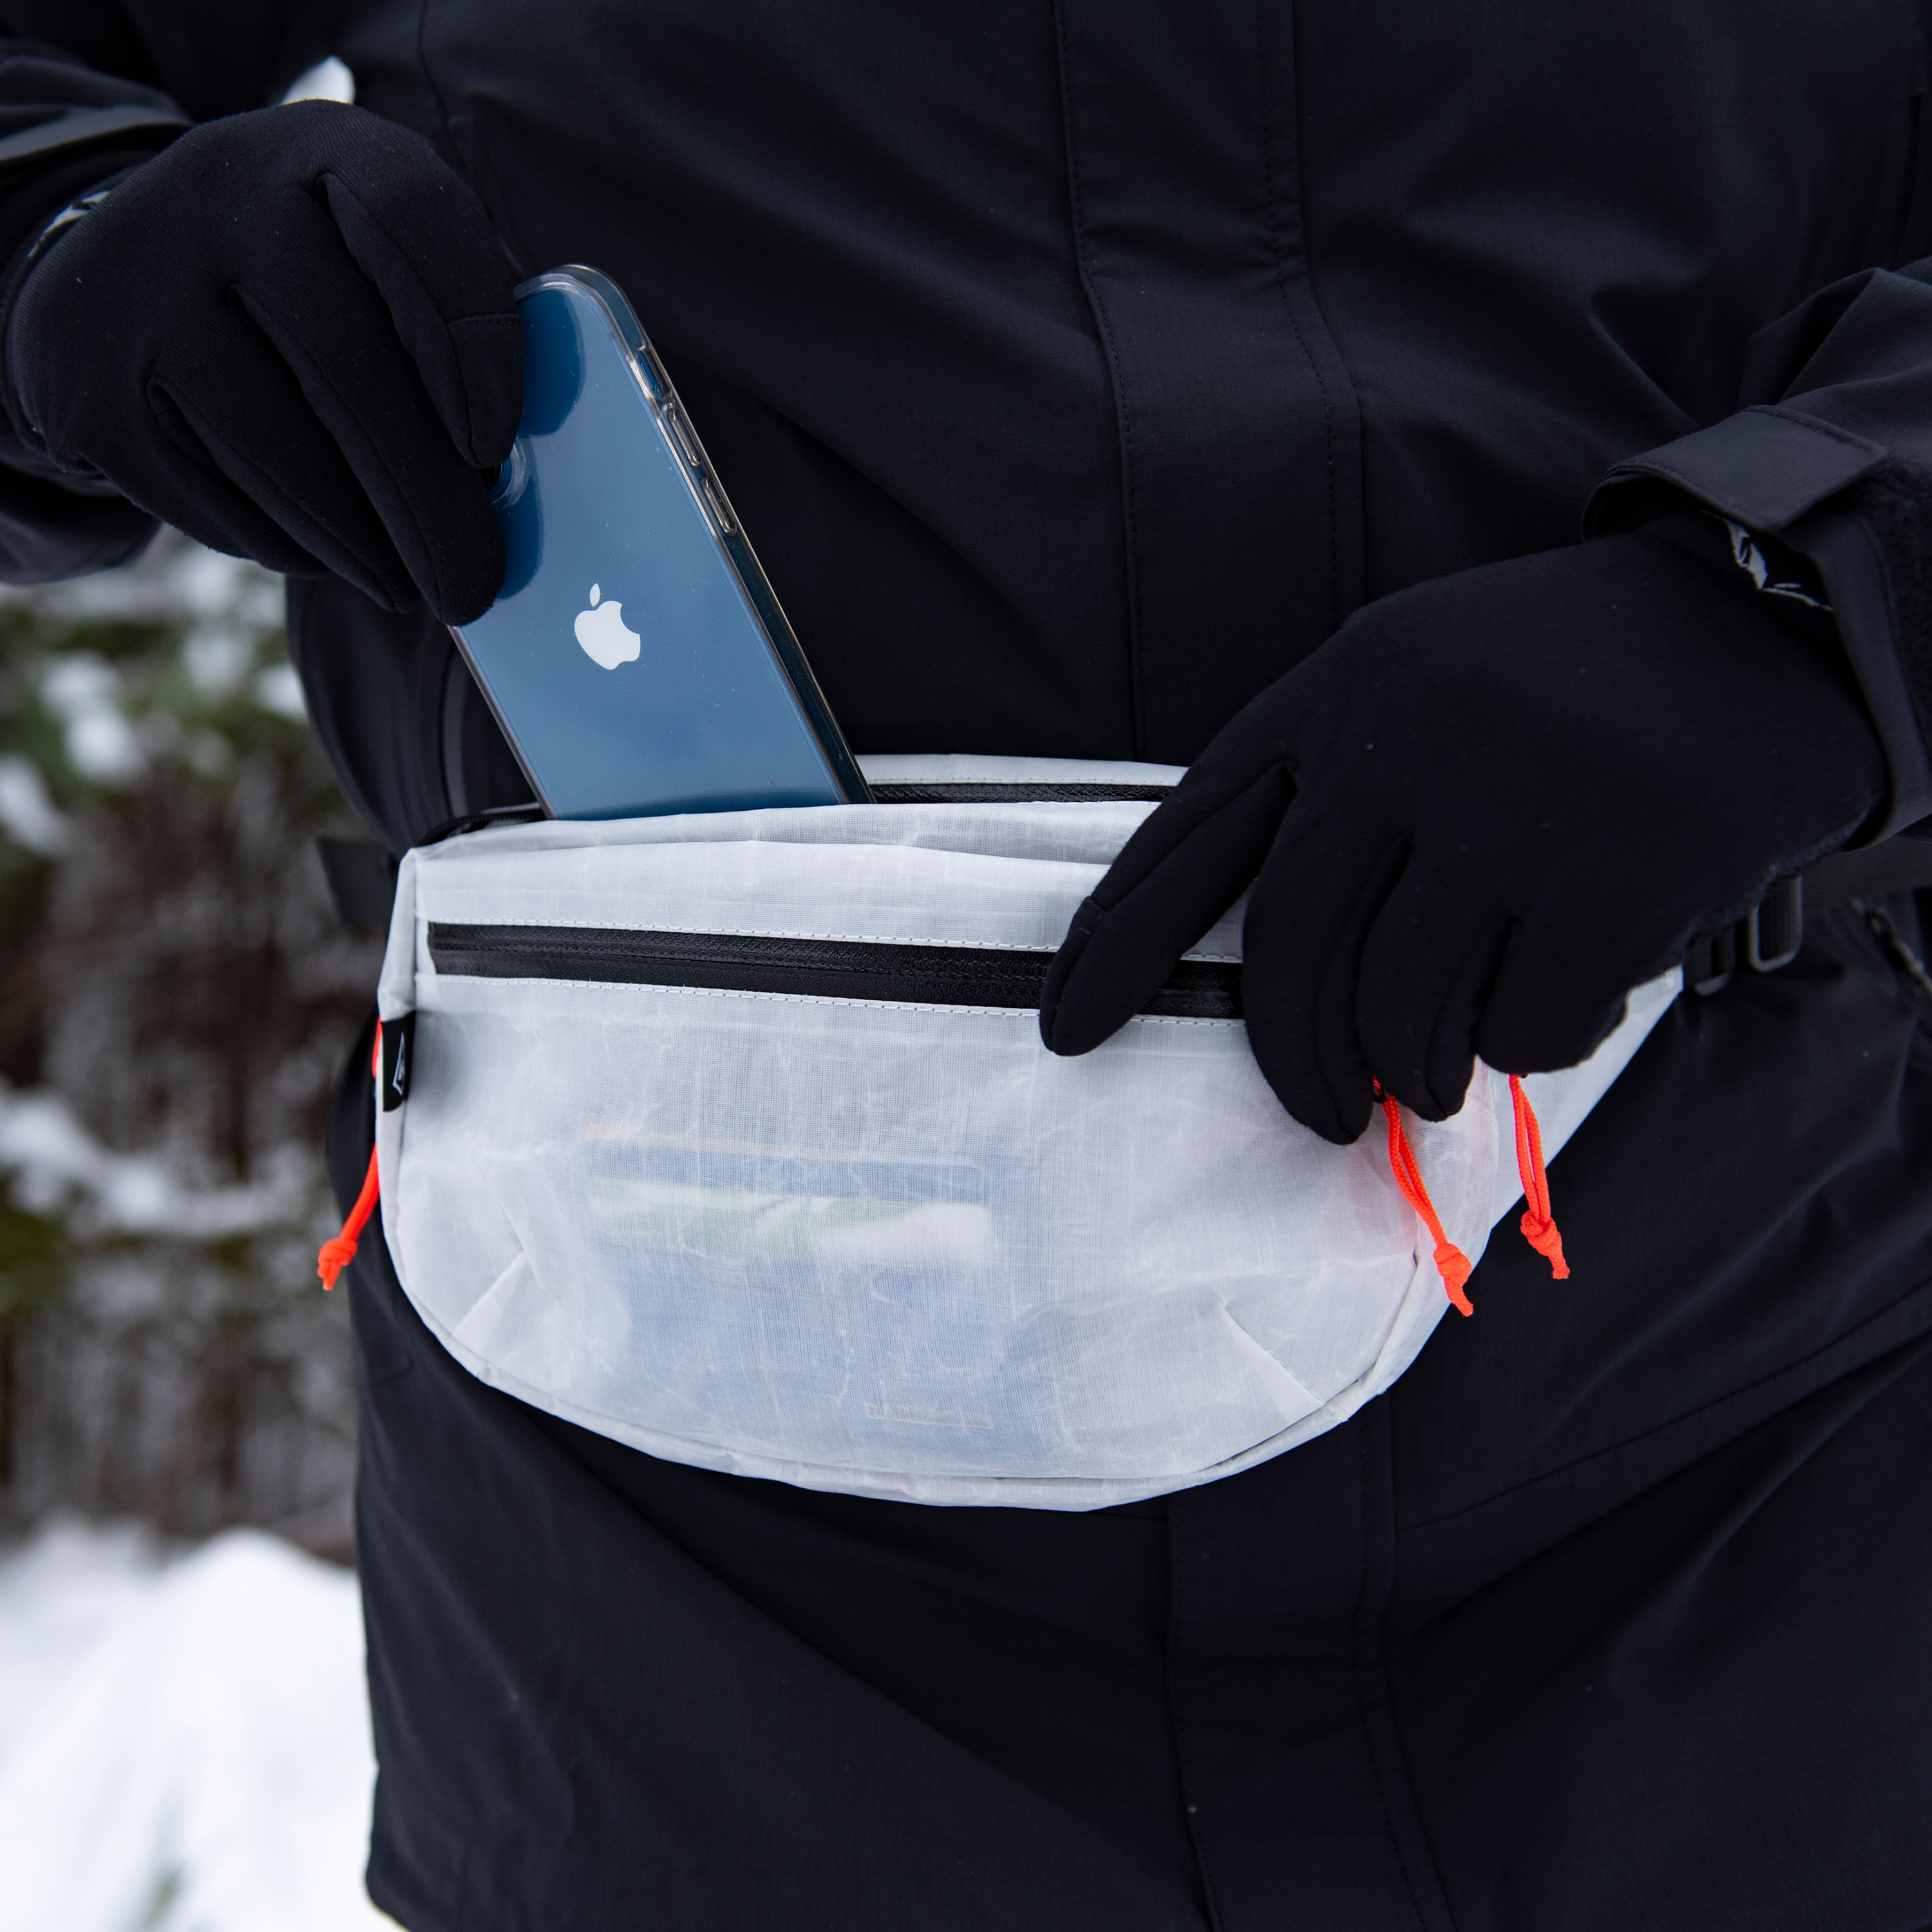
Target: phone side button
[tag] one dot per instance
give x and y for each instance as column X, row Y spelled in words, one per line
column 719, row 508
column 686, row 440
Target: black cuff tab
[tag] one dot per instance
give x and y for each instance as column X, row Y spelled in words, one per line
column 1765, row 467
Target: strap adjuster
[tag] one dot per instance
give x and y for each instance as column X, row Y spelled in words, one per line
column 1769, row 936
column 1773, row 931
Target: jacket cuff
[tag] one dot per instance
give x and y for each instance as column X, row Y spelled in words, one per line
column 50, row 198
column 1844, row 502
column 1875, row 624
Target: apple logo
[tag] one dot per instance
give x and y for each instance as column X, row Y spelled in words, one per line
column 606, row 638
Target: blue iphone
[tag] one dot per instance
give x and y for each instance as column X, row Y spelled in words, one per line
column 635, row 656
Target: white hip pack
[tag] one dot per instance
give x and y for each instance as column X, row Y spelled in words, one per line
column 732, row 1137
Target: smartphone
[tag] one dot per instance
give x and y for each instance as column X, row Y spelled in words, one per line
column 636, row 657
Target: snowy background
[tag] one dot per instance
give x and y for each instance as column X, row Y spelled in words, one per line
column 176, row 997
column 184, row 1737
column 183, row 1733
column 184, row 1730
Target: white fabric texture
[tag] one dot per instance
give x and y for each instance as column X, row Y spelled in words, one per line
column 898, row 1250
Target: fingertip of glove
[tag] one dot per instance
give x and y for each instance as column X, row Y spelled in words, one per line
column 1337, row 1128
column 1071, row 1035
column 463, row 608
column 389, row 597
column 1333, row 1127
column 460, row 597
column 1544, row 1035
column 1060, row 1029
column 1311, row 1102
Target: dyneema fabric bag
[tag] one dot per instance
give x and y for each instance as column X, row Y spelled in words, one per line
column 732, row 1137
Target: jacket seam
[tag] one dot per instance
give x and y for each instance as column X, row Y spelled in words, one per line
column 1369, row 1662
column 1817, row 425
column 429, row 79
column 1123, row 409
column 1689, row 1415
column 1177, row 1726
column 1273, row 214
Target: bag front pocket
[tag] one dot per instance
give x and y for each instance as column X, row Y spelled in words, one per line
column 743, row 1149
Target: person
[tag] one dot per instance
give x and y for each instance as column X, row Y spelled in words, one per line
column 1227, row 386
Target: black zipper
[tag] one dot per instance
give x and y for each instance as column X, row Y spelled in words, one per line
column 824, row 969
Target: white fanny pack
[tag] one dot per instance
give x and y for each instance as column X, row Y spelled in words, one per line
column 732, row 1137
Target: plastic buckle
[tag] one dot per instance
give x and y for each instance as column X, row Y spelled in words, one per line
column 1769, row 936
column 1774, row 930
column 1709, row 965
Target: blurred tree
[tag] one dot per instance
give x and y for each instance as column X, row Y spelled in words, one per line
column 176, row 996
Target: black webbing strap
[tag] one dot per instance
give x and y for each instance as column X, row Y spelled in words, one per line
column 361, row 881
column 1770, row 935
column 1898, row 866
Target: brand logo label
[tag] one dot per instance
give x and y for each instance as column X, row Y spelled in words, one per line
column 606, row 638
column 398, row 1036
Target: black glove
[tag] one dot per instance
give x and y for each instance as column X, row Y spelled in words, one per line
column 291, row 334
column 1482, row 811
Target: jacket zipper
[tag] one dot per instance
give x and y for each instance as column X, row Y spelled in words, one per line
column 826, row 969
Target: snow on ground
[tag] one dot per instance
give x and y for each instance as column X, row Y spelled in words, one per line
column 184, row 1738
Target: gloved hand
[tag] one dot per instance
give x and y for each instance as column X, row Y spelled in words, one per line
column 1483, row 810
column 291, row 334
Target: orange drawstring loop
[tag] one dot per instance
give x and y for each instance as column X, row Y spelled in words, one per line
column 339, row 1250
column 1539, row 1230
column 1451, row 1262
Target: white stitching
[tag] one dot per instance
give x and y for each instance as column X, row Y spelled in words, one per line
column 785, row 999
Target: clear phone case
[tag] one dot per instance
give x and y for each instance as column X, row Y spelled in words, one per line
column 636, row 656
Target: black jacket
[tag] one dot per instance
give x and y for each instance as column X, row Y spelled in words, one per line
column 1079, row 369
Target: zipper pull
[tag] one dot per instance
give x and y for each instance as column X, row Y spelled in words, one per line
column 339, row 1250
column 1539, row 1227
column 1451, row 1264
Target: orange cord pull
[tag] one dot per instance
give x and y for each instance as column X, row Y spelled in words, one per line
column 339, row 1250
column 1539, row 1230
column 1451, row 1262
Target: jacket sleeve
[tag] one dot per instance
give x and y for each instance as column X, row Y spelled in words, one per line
column 1831, row 454
column 89, row 89
column 212, row 56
